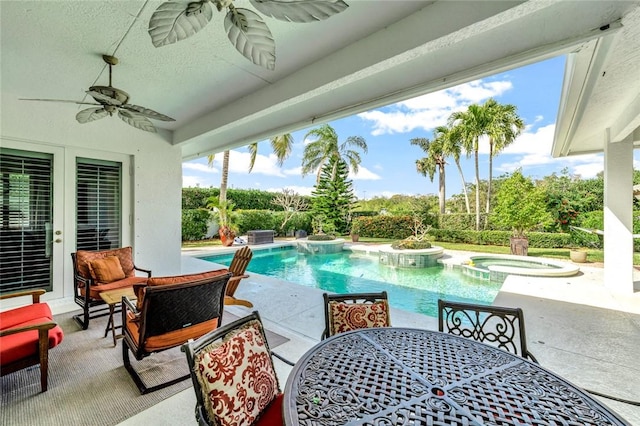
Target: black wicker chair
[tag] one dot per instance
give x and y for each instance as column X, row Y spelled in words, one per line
column 496, row 325
column 344, row 312
column 228, row 381
column 172, row 311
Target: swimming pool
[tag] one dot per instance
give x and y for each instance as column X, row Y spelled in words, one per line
column 414, row 290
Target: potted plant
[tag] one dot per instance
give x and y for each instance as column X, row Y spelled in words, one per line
column 355, row 230
column 222, row 212
column 520, row 206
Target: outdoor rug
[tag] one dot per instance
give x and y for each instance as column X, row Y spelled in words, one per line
column 88, row 384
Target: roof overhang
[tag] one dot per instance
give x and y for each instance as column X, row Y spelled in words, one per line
column 600, row 101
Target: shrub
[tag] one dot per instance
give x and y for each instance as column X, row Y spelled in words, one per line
column 392, row 227
column 194, row 224
column 500, row 238
column 410, row 245
column 321, row 237
column 248, row 220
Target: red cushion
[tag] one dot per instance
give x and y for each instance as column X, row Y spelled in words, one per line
column 127, row 282
column 13, row 317
column 185, row 278
column 21, row 345
column 272, row 415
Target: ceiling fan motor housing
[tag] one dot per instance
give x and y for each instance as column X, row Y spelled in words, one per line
column 111, row 92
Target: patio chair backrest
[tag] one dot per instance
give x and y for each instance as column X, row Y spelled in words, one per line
column 498, row 326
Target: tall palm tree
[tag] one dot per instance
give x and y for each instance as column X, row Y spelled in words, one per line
column 280, row 145
column 434, row 161
column 503, row 127
column 225, row 174
column 326, row 146
column 471, row 125
column 452, row 147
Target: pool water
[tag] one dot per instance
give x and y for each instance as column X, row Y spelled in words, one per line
column 414, row 290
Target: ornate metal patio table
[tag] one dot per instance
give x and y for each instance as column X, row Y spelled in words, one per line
column 401, row 376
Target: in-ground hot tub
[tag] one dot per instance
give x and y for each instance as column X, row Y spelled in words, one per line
column 497, row 267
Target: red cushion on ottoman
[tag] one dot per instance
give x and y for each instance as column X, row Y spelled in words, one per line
column 21, row 345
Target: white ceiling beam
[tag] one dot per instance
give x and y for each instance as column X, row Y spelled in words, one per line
column 627, row 123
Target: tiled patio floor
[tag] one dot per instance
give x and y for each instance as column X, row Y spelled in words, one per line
column 575, row 327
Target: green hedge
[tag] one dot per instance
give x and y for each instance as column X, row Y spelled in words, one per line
column 500, row 238
column 395, row 227
column 244, row 199
column 462, row 221
column 248, row 220
column 194, row 224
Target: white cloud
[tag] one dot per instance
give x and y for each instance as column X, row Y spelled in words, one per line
column 533, row 149
column 239, row 163
column 199, row 167
column 433, row 109
column 296, row 171
column 589, row 170
column 363, row 174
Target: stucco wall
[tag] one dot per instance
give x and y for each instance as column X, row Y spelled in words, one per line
column 152, row 175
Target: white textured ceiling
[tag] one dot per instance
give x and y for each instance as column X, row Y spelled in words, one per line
column 372, row 54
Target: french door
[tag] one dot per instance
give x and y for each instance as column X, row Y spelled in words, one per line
column 30, row 231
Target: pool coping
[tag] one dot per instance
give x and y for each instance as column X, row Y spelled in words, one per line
column 562, row 269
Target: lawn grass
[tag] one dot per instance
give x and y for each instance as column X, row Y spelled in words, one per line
column 593, row 255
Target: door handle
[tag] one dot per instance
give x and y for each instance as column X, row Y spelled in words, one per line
column 58, row 240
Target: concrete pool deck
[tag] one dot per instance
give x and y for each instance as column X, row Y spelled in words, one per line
column 575, row 327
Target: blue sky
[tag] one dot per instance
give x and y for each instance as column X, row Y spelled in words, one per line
column 389, row 167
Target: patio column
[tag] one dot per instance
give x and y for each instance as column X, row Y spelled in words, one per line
column 618, row 215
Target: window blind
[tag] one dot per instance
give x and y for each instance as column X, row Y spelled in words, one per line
column 25, row 220
column 99, row 204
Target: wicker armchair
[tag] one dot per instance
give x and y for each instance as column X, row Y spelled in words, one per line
column 85, row 277
column 172, row 311
column 345, row 312
column 498, row 326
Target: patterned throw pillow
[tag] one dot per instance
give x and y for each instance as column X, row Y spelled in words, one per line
column 352, row 316
column 237, row 377
column 106, row 270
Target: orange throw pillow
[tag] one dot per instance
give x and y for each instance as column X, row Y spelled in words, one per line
column 106, row 270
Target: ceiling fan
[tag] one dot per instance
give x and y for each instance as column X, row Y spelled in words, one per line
column 111, row 99
column 174, row 21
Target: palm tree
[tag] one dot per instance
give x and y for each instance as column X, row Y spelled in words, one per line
column 225, row 174
column 435, row 160
column 504, row 126
column 325, row 147
column 280, row 145
column 471, row 125
column 452, row 147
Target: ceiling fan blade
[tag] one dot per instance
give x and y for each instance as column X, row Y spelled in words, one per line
column 250, row 36
column 91, row 114
column 173, row 21
column 59, row 100
column 104, row 98
column 136, row 120
column 147, row 112
column 301, row 10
